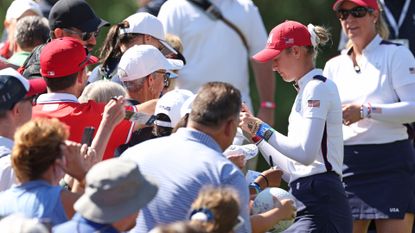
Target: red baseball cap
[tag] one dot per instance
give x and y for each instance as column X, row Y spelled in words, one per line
column 64, row 56
column 366, row 3
column 284, row 35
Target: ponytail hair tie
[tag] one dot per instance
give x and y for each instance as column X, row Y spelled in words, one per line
column 315, row 40
column 201, row 214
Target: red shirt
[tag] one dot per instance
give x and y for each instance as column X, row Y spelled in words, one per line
column 78, row 116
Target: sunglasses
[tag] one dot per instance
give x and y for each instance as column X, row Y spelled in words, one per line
column 166, row 77
column 357, row 12
column 85, row 36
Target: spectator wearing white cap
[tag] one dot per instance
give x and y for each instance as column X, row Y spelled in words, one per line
column 16, row 11
column 168, row 111
column 137, row 29
column 143, row 72
column 115, row 192
column 16, row 94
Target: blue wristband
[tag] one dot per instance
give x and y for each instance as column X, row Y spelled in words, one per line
column 265, row 131
column 255, row 186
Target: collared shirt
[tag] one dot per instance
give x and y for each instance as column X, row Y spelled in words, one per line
column 34, row 199
column 214, row 51
column 183, row 163
column 79, row 224
column 67, row 109
column 7, row 177
column 317, row 99
column 384, row 67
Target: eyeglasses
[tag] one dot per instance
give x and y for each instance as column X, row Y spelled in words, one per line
column 88, row 55
column 166, row 77
column 357, row 12
column 239, row 222
column 83, row 35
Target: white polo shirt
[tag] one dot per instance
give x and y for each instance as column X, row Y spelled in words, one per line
column 214, row 51
column 7, row 177
column 317, row 99
column 383, row 68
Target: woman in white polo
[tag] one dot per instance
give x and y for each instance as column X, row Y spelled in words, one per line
column 311, row 156
column 376, row 82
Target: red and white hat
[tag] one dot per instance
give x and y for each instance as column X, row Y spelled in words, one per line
column 284, row 35
column 64, row 56
column 366, row 3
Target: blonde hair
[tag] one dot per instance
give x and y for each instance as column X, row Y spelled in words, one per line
column 323, row 36
column 101, row 91
column 223, row 202
column 37, row 146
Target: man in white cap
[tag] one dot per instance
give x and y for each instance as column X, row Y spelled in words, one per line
column 17, row 10
column 143, row 72
column 16, row 94
column 115, row 192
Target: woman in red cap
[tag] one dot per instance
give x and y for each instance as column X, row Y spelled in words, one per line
column 311, row 156
column 376, row 82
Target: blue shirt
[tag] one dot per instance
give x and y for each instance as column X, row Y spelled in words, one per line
column 81, row 224
column 181, row 164
column 34, row 199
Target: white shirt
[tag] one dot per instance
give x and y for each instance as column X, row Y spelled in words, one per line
column 316, row 111
column 214, row 51
column 7, row 177
column 384, row 69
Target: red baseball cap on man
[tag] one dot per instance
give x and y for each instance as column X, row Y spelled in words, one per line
column 64, row 56
column 284, row 35
column 366, row 3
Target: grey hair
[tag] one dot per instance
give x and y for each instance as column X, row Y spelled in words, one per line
column 101, row 91
column 31, row 31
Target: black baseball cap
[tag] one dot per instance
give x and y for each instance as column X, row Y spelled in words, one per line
column 75, row 13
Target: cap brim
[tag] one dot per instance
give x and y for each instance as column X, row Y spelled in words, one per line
column 173, row 64
column 37, row 86
column 266, row 55
column 92, row 60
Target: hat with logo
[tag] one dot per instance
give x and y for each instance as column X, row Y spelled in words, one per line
column 284, row 35
column 145, row 23
column 64, row 56
column 142, row 60
column 115, row 188
column 170, row 104
column 366, row 3
column 19, row 7
column 74, row 13
column 14, row 88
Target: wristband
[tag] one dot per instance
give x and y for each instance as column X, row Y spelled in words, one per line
column 256, row 139
column 264, row 131
column 362, row 114
column 369, row 110
column 268, row 104
column 255, row 186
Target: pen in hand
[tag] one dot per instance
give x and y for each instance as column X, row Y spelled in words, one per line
column 271, row 164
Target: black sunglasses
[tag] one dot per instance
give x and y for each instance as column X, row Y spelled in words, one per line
column 357, row 12
column 83, row 35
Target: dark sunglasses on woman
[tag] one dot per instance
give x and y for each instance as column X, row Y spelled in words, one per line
column 357, row 12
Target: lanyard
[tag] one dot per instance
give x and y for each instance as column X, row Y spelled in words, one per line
column 392, row 22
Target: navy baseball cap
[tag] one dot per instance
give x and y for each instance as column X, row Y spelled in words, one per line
column 75, row 13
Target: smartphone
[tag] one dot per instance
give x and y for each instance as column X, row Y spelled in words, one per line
column 88, row 135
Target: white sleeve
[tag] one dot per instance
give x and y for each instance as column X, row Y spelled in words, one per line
column 399, row 112
column 279, row 160
column 170, row 17
column 304, row 149
column 256, row 34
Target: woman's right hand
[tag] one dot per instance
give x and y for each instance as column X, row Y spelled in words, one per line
column 351, row 114
column 74, row 157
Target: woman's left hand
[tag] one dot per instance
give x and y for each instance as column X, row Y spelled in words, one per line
column 351, row 114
